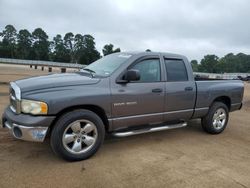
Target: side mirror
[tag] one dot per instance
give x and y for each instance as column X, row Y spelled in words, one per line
column 132, row 75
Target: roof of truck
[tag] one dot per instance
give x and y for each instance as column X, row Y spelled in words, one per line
column 171, row 55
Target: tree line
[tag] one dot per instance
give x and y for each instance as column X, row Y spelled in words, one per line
column 36, row 45
column 228, row 64
column 81, row 49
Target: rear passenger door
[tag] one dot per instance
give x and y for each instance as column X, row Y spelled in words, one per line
column 180, row 91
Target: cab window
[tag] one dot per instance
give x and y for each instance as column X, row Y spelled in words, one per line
column 149, row 70
column 176, row 70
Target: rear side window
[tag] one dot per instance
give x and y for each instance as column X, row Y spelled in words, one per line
column 176, row 70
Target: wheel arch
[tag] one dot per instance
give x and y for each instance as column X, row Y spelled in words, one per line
column 224, row 99
column 94, row 108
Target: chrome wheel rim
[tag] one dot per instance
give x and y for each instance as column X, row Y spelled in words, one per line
column 80, row 136
column 219, row 118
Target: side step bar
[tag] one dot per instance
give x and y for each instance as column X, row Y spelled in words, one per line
column 149, row 130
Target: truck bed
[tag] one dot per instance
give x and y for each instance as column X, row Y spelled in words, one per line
column 202, row 78
column 208, row 79
column 210, row 89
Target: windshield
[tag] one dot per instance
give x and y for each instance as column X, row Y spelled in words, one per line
column 107, row 65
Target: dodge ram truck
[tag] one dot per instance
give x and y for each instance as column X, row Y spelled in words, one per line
column 122, row 94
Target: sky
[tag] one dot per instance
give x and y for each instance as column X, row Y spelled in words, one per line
column 189, row 27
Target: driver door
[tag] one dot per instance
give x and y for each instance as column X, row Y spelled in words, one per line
column 139, row 102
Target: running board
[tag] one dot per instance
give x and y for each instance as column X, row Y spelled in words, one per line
column 149, row 130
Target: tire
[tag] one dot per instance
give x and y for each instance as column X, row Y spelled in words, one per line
column 77, row 135
column 213, row 122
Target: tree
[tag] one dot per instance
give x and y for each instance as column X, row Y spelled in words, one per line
column 244, row 61
column 9, row 35
column 82, row 48
column 209, row 64
column 148, row 50
column 41, row 44
column 4, row 51
column 24, row 44
column 60, row 53
column 195, row 65
column 108, row 49
column 69, row 44
column 90, row 54
column 79, row 47
column 235, row 63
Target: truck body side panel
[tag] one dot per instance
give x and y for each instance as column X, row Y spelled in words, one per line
column 208, row 91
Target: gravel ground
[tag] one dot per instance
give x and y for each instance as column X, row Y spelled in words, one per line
column 185, row 157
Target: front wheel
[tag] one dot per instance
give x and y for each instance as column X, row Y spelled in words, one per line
column 77, row 135
column 216, row 120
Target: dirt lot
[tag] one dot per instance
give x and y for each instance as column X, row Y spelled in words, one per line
column 185, row 157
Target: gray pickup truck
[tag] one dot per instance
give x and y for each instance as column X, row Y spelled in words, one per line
column 121, row 94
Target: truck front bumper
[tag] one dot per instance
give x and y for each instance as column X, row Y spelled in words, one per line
column 26, row 127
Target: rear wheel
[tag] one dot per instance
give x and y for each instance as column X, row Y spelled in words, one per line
column 216, row 119
column 77, row 135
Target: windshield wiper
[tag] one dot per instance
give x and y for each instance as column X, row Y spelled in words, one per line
column 90, row 71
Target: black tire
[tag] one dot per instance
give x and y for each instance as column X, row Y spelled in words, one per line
column 56, row 139
column 207, row 121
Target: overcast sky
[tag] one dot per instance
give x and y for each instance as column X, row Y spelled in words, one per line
column 189, row 27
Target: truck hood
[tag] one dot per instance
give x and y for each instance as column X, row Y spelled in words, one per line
column 55, row 80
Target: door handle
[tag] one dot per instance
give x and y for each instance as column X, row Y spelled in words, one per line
column 157, row 90
column 188, row 89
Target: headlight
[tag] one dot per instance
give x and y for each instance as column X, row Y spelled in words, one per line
column 33, row 107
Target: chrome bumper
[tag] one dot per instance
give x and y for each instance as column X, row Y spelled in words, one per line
column 35, row 134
